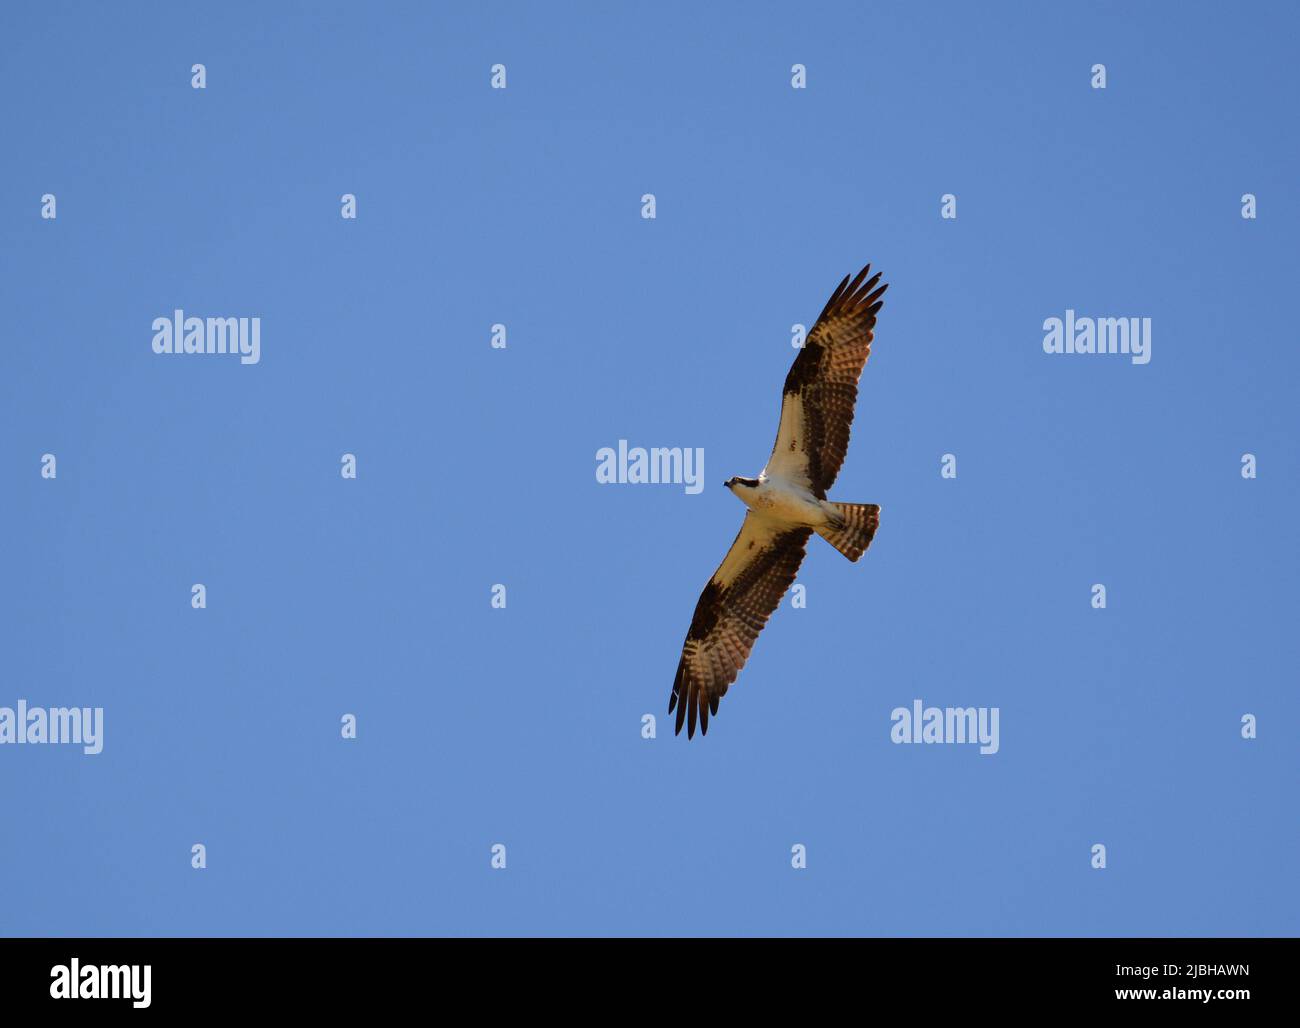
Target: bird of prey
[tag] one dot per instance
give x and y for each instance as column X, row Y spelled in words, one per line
column 787, row 503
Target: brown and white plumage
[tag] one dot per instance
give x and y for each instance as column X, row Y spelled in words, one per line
column 821, row 389
column 787, row 503
column 732, row 610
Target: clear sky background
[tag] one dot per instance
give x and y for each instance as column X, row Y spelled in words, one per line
column 477, row 466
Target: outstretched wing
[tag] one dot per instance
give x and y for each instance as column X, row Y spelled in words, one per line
column 822, row 387
column 733, row 609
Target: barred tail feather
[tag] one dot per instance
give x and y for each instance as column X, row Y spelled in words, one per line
column 855, row 530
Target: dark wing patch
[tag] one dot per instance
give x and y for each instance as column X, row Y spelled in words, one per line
column 825, row 375
column 732, row 610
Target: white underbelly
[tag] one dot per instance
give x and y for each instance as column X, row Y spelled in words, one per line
column 788, row 503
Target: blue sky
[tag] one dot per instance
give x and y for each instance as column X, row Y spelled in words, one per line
column 476, row 466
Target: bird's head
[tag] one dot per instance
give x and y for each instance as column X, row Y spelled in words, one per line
column 741, row 483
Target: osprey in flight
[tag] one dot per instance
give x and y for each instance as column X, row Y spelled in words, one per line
column 787, row 503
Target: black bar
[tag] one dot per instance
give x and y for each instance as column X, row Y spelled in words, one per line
column 335, row 976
